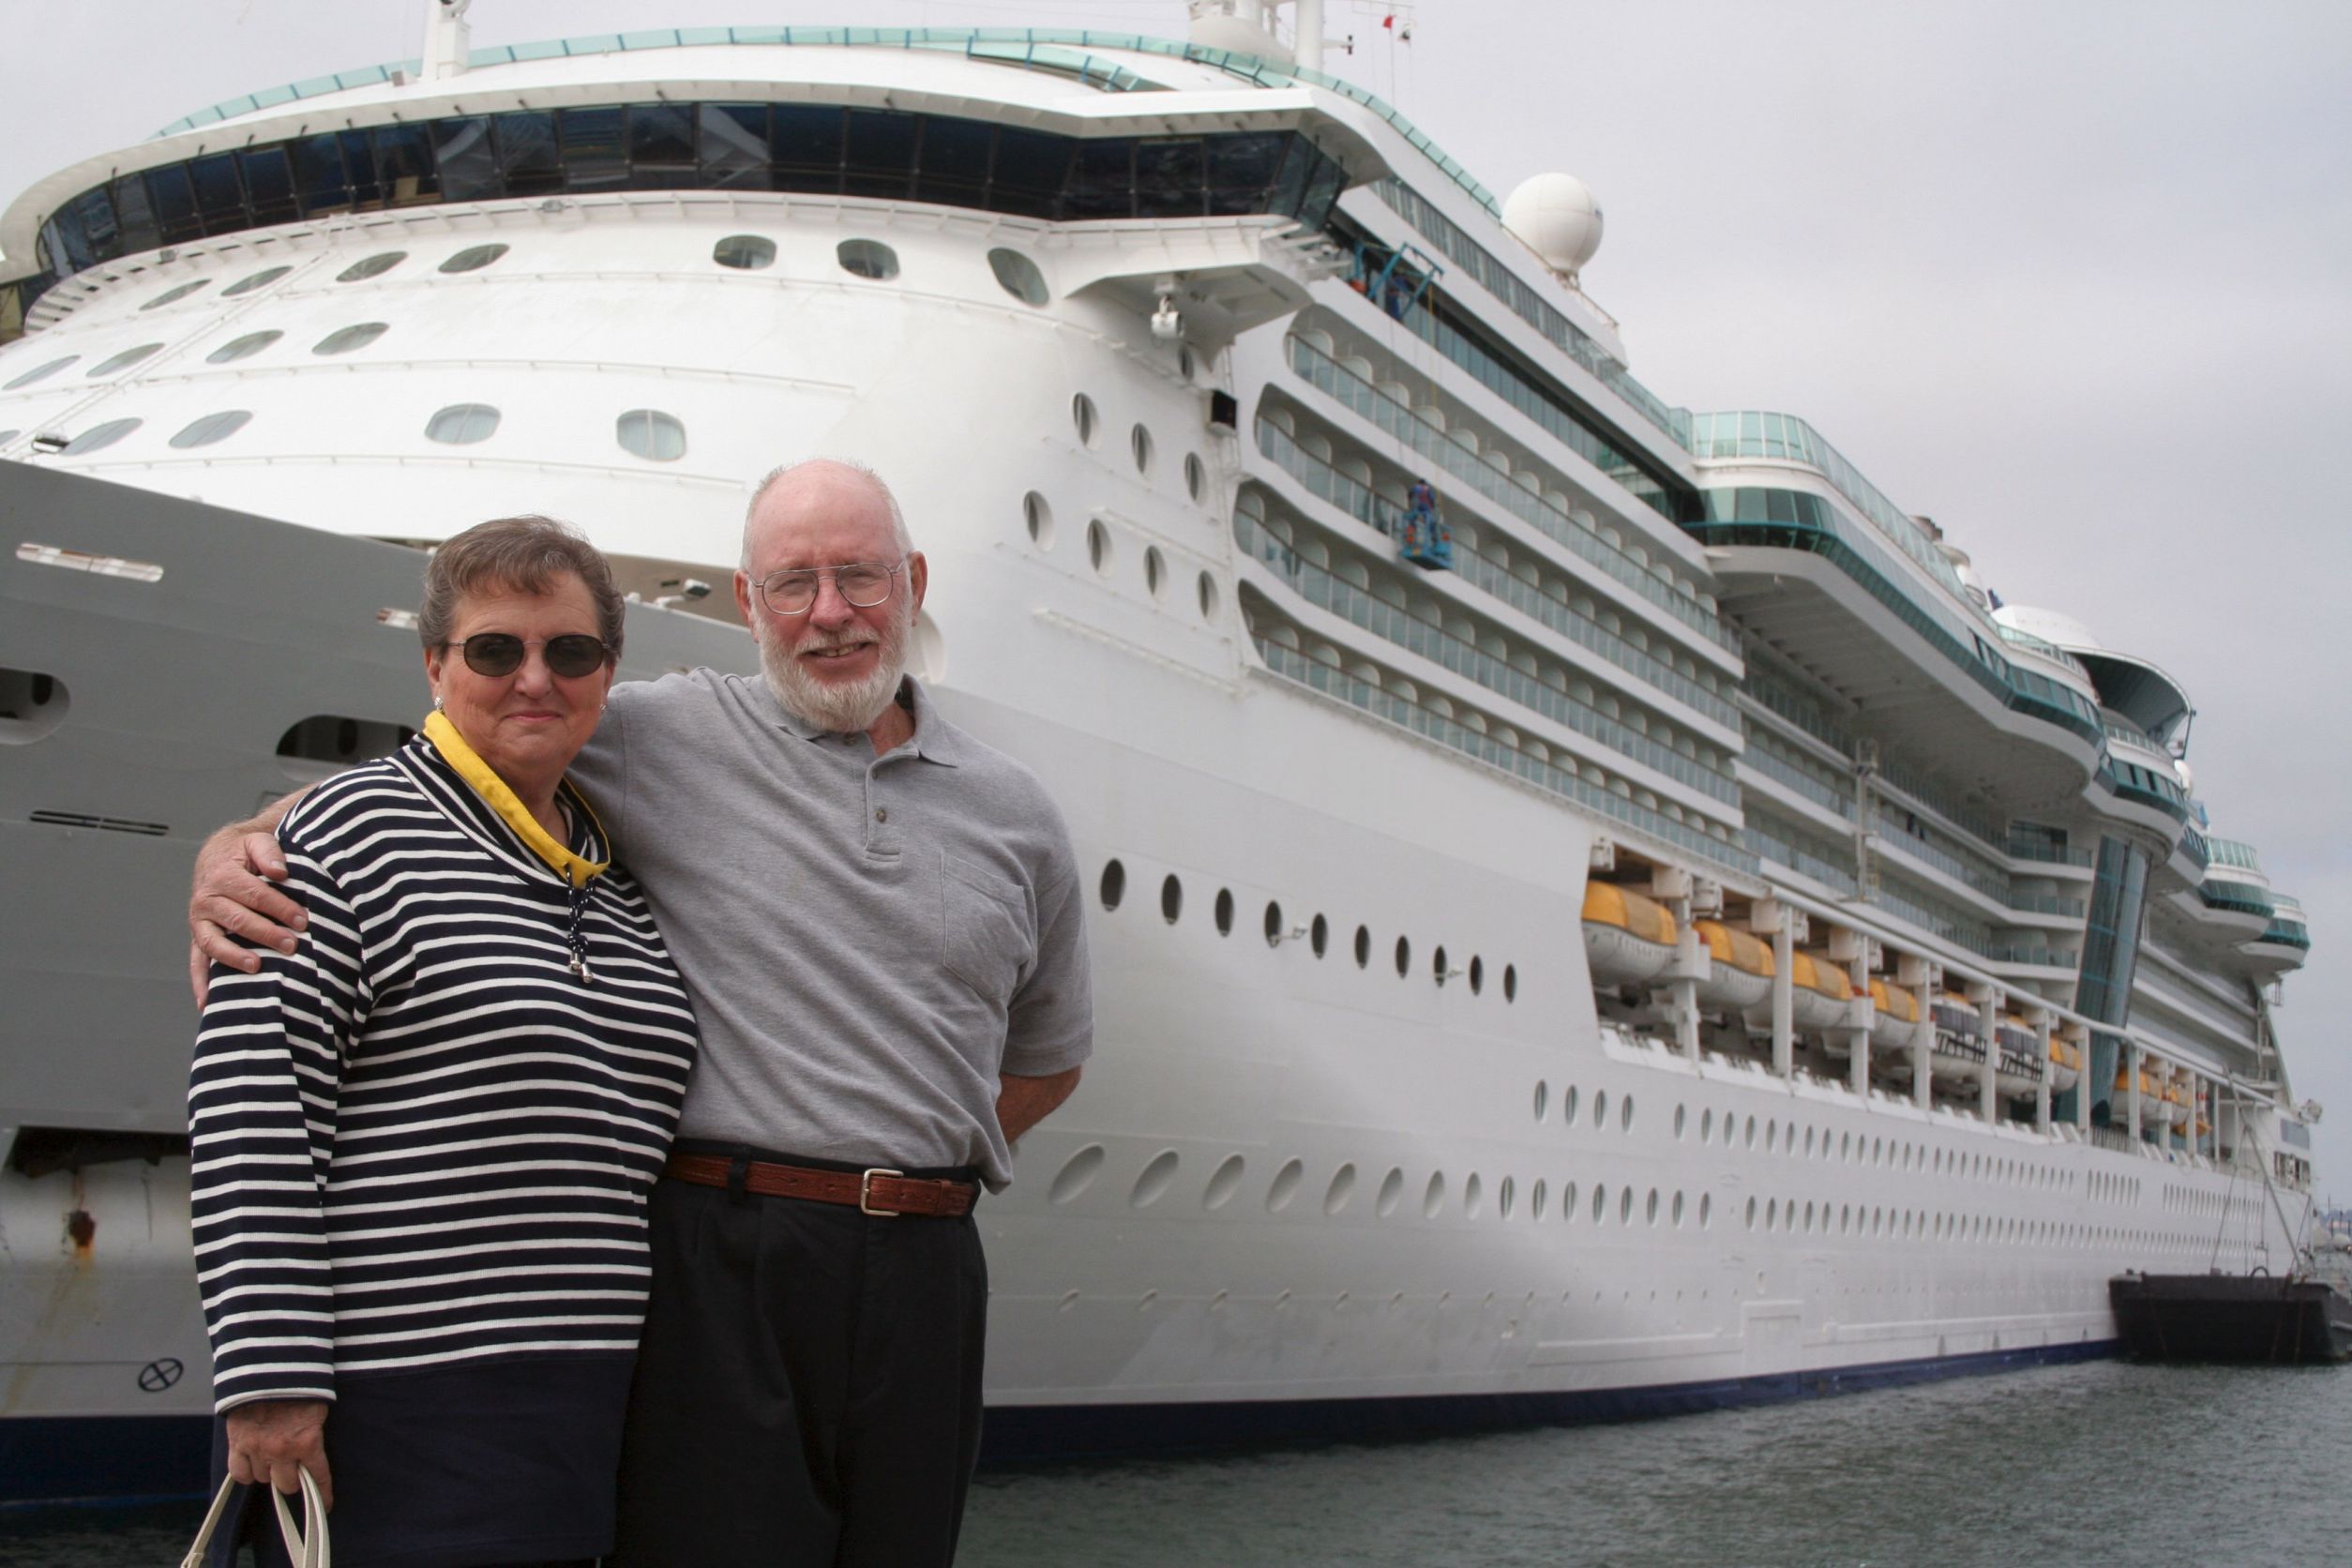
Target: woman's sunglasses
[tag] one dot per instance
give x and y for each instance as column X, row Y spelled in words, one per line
column 500, row 653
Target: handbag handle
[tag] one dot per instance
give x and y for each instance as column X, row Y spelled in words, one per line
column 304, row 1551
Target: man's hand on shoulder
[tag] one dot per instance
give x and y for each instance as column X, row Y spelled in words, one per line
column 233, row 896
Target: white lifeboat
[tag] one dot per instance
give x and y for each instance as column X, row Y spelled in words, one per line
column 2066, row 1062
column 1627, row 938
column 1818, row 995
column 1957, row 1053
column 1895, row 1019
column 1741, row 966
column 2014, row 1074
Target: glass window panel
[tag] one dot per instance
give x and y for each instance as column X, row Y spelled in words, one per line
column 1298, row 167
column 744, row 252
column 733, row 143
column 1102, row 180
column 133, row 217
column 1322, row 189
column 867, row 257
column 1167, row 178
column 880, row 152
column 213, row 427
column 219, row 193
column 371, row 267
column 594, row 156
column 462, row 156
column 174, row 201
column 253, row 280
column 1020, row 277
column 1031, row 168
column 98, row 436
column 318, row 185
column 1779, row 507
column 952, row 165
column 661, row 147
column 345, row 338
column 805, row 144
column 406, row 165
column 651, row 434
column 40, row 373
column 474, row 258
column 242, row 348
column 462, row 424
column 269, row 184
column 528, row 161
column 359, row 168
column 179, row 291
column 94, row 213
column 1240, row 168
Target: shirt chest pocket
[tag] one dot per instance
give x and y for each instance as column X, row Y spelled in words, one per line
column 987, row 937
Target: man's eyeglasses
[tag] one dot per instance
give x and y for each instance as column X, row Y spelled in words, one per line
column 862, row 583
column 500, row 653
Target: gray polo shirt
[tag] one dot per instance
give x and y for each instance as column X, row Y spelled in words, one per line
column 870, row 940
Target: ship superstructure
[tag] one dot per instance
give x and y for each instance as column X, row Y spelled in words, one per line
column 1595, row 907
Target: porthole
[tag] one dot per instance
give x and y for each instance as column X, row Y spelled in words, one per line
column 372, row 266
column 41, row 372
column 1600, row 1108
column 1343, row 1187
column 171, row 294
column 1625, row 1114
column 651, row 434
column 1568, row 1201
column 1082, row 415
column 1568, row 1107
column 1274, row 923
column 1318, row 935
column 1225, row 911
column 1707, row 1127
column 1114, row 884
column 462, row 424
column 1403, row 957
column 1510, row 983
column 212, row 428
column 1600, row 1202
column 474, row 258
column 1286, row 1187
column 1650, row 1208
column 1433, row 1196
column 261, row 279
column 122, row 361
column 1473, row 1196
column 1808, row 1139
column 1750, row 1214
column 1195, row 475
column 1098, row 546
column 99, row 436
column 1706, row 1210
column 1038, row 519
column 33, row 703
column 1076, row 1174
column 242, row 348
column 345, row 338
column 1751, row 1136
column 1140, row 444
column 1477, row 975
column 1207, row 591
column 1504, row 1191
column 1679, row 1113
column 1772, row 1213
column 1363, row 947
column 744, row 252
column 1152, row 1183
column 1020, row 276
column 1771, row 1134
column 1172, row 897
column 1392, row 1190
column 1535, row 1199
column 1543, row 1098
column 1437, row 966
column 1155, row 572
column 1225, row 1183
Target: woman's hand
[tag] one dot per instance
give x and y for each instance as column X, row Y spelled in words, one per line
column 272, row 1439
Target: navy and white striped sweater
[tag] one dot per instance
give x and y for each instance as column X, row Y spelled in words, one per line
column 421, row 1142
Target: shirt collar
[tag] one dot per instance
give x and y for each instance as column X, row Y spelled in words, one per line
column 935, row 739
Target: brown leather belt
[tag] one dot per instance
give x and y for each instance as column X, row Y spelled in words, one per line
column 880, row 1192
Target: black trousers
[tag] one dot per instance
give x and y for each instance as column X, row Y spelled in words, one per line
column 807, row 1388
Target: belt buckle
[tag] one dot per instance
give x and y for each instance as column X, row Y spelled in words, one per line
column 865, row 1193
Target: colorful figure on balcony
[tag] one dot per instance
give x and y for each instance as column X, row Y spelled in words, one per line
column 1428, row 543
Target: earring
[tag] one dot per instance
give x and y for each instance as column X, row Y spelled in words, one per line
column 437, row 702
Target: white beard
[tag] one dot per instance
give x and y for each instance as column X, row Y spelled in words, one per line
column 842, row 708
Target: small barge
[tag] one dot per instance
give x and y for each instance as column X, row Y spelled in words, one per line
column 2230, row 1318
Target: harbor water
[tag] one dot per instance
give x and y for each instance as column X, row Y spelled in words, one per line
column 2103, row 1462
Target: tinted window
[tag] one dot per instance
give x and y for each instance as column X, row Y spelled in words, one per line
column 867, row 257
column 748, row 253
column 1101, row 181
column 806, row 146
column 219, row 193
column 661, row 145
column 881, row 152
column 175, row 199
column 593, row 157
column 462, row 156
column 1241, row 169
column 1030, row 167
column 98, row 436
column 731, row 147
column 474, row 258
column 954, row 162
column 462, row 424
column 404, row 163
column 134, row 218
column 359, row 167
column 1020, row 276
column 213, row 427
column 318, row 185
column 242, row 348
column 269, row 184
column 528, row 162
column 1167, row 178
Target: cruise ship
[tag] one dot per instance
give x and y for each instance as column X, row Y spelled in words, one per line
column 1597, row 910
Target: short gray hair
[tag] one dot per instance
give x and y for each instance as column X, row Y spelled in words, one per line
column 901, row 540
column 526, row 555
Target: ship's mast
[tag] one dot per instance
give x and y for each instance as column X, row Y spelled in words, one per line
column 448, row 39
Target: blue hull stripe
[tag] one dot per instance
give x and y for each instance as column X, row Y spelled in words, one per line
column 130, row 1458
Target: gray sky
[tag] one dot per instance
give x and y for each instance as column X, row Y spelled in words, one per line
column 2073, row 279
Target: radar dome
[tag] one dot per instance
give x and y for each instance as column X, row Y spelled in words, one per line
column 1555, row 217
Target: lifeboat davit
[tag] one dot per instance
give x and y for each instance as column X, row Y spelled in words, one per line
column 1743, row 967
column 1896, row 1016
column 1627, row 938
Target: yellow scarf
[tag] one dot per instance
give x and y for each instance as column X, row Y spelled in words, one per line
column 492, row 788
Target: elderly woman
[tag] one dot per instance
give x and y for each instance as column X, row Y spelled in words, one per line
column 423, row 1140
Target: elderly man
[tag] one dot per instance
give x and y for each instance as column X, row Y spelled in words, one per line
column 879, row 920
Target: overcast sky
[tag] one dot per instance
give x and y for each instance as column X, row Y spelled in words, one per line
column 2076, row 278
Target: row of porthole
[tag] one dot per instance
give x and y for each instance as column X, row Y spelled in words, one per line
column 870, row 258
column 1875, row 1223
column 2117, row 1189
column 1077, row 1174
column 648, row 433
column 1113, row 891
column 343, row 339
column 1140, row 446
column 1102, row 554
column 471, row 259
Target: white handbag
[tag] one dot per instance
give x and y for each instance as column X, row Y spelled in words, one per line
column 305, row 1551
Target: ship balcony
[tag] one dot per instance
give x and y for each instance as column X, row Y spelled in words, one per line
column 2286, row 941
column 2135, row 795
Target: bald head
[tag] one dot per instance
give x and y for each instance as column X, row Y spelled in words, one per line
column 799, row 496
